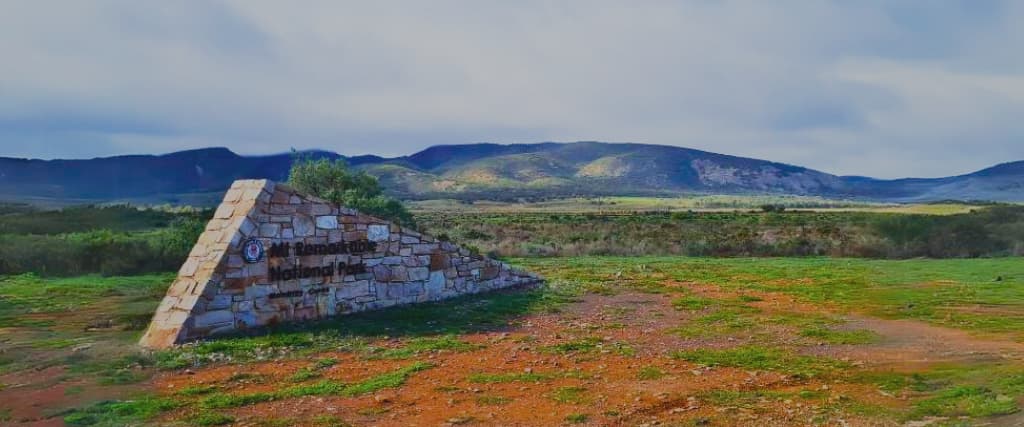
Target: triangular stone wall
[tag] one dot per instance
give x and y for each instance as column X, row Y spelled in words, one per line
column 272, row 255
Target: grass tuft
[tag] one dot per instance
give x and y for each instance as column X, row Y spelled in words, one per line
column 530, row 377
column 574, row 395
column 692, row 303
column 650, row 373
column 121, row 412
column 973, row 401
column 761, row 358
column 833, row 336
column 211, row 419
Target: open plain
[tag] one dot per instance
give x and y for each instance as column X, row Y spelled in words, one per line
column 607, row 341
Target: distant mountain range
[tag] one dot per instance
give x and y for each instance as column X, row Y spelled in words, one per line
column 489, row 171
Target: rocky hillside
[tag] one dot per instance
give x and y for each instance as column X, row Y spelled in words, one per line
column 498, row 171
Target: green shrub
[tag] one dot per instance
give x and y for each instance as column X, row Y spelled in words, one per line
column 334, row 181
column 100, row 251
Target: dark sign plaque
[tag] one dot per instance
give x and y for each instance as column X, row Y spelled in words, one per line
column 252, row 251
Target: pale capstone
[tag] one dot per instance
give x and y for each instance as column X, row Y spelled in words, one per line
column 232, row 195
column 224, row 211
column 189, row 267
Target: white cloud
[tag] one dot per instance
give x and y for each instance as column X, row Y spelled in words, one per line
column 847, row 87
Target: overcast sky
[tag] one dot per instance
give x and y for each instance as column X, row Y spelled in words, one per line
column 880, row 88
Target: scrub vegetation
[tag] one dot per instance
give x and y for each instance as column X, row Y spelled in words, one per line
column 125, row 240
column 984, row 232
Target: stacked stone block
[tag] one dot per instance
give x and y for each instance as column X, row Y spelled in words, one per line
column 217, row 291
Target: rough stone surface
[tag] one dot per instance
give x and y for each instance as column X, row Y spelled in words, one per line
column 327, row 222
column 350, row 262
column 378, row 232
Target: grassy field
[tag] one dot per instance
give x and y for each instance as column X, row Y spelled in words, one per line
column 697, row 203
column 609, row 340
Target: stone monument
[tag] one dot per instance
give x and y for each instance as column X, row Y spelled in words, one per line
column 271, row 255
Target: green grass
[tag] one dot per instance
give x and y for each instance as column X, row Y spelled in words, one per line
column 249, row 377
column 576, row 418
column 211, row 419
column 304, row 374
column 388, row 380
column 762, row 358
column 582, row 345
column 692, row 303
column 974, row 390
column 224, row 400
column 573, row 395
column 325, row 363
column 197, row 390
column 28, row 294
column 423, row 327
column 278, row 422
column 128, row 369
column 529, row 377
column 945, row 292
column 722, row 321
column 311, row 372
column 953, row 293
column 416, row 346
column 112, row 413
column 650, row 373
column 749, row 399
column 329, row 421
column 391, row 379
column 970, row 401
column 833, row 336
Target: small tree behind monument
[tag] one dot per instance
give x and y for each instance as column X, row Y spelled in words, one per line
column 334, row 181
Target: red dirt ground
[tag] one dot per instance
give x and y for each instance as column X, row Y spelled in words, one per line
column 612, row 393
